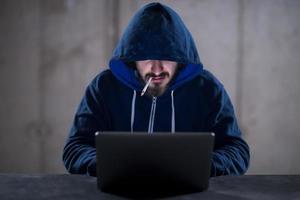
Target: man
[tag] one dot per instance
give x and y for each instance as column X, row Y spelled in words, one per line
column 157, row 48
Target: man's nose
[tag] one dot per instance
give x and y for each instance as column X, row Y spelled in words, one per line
column 156, row 66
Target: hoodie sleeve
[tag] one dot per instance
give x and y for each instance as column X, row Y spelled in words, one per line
column 79, row 154
column 231, row 153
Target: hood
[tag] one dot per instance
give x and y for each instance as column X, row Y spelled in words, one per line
column 155, row 32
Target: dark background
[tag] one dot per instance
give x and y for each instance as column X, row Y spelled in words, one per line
column 51, row 49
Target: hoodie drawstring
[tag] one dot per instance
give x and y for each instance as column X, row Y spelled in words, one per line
column 132, row 110
column 173, row 113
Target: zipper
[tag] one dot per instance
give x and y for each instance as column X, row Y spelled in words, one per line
column 152, row 115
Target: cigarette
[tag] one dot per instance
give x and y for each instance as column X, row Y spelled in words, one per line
column 146, row 86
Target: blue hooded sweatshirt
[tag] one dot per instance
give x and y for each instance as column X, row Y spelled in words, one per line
column 195, row 100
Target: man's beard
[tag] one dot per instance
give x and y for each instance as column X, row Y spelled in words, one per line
column 156, row 89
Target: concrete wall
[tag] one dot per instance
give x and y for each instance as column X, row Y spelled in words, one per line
column 271, row 87
column 51, row 49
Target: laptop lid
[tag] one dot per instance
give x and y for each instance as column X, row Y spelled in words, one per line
column 157, row 160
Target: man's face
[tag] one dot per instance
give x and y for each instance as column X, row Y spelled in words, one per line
column 161, row 71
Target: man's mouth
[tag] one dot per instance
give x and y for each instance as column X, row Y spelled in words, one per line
column 157, row 79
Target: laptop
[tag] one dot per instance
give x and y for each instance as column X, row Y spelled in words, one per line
column 156, row 161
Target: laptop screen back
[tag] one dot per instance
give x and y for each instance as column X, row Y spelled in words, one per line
column 180, row 160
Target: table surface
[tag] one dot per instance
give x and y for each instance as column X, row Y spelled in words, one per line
column 65, row 186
